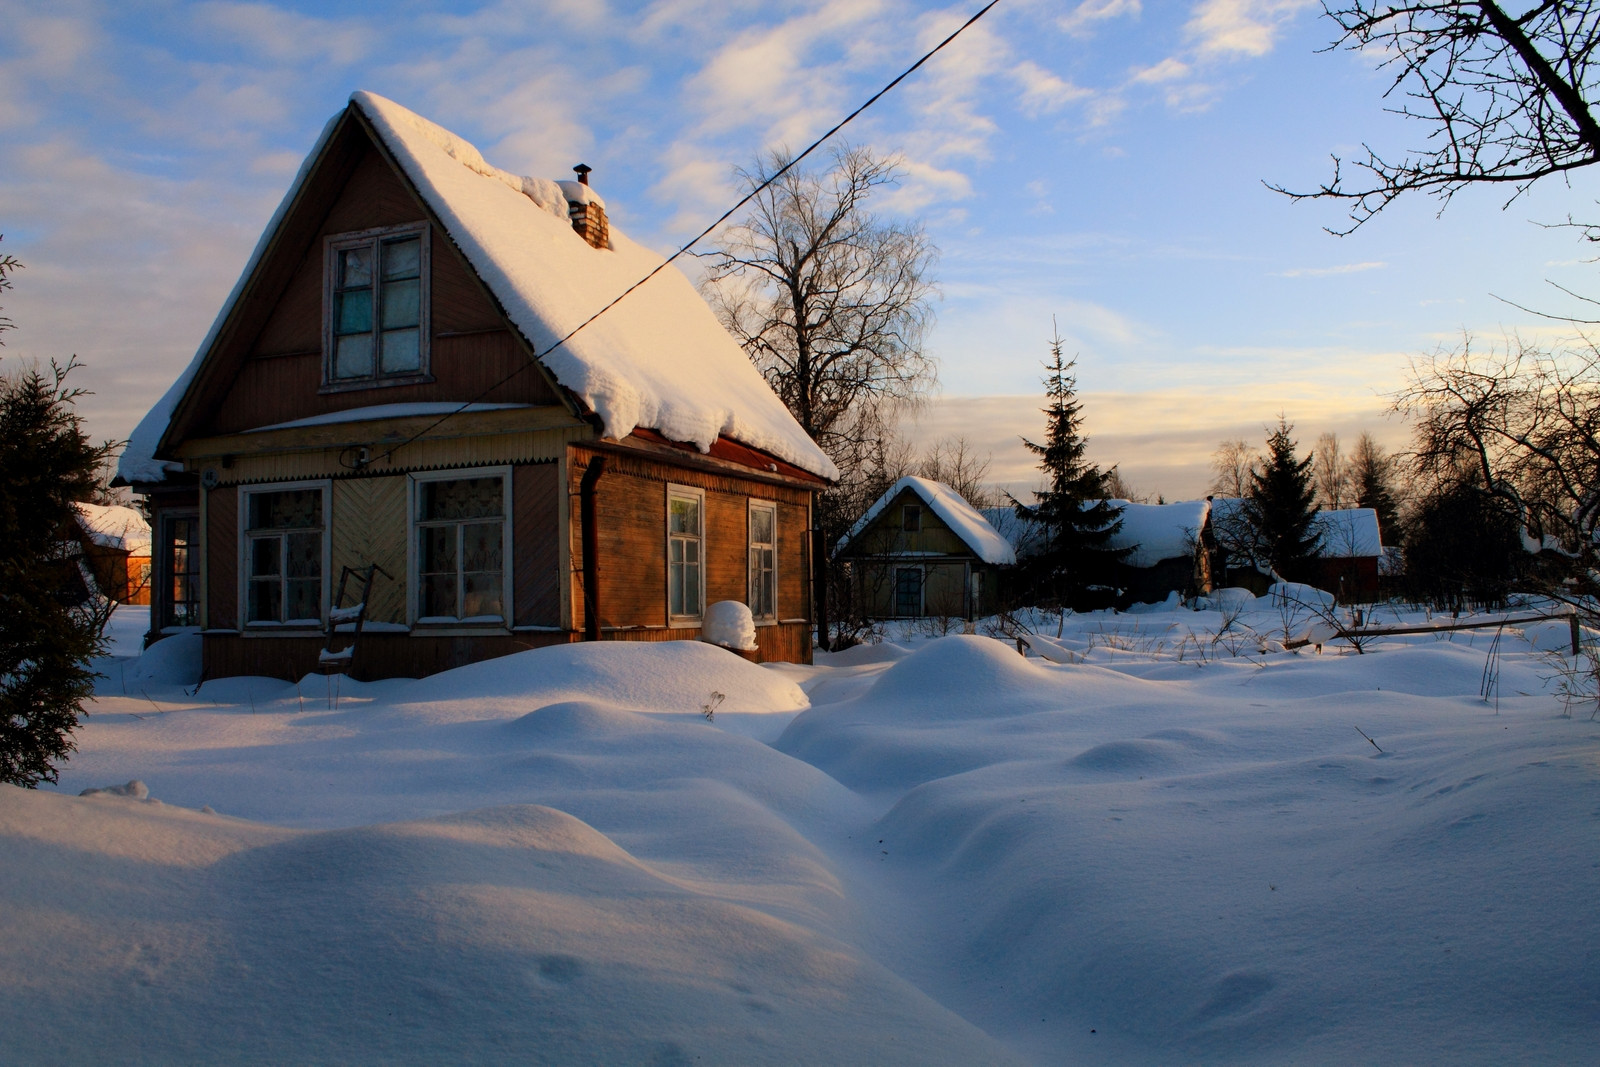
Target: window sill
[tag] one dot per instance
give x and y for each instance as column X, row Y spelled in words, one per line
column 280, row 630
column 685, row 623
column 373, row 383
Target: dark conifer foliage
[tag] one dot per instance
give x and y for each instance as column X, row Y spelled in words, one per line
column 1464, row 549
column 1282, row 507
column 1077, row 519
column 46, row 639
column 1372, row 475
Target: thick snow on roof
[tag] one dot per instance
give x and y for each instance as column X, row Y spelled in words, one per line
column 1349, row 533
column 951, row 507
column 1159, row 531
column 115, row 527
column 659, row 359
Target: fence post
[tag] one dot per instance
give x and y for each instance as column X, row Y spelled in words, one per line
column 1572, row 621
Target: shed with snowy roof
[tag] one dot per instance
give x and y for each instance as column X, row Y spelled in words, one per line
column 921, row 549
column 112, row 549
column 1349, row 553
column 1170, row 550
column 424, row 375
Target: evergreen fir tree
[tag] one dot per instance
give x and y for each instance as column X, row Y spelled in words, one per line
column 1076, row 518
column 1282, row 507
column 1372, row 472
column 47, row 635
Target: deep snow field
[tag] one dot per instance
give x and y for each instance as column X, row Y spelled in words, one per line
column 1166, row 846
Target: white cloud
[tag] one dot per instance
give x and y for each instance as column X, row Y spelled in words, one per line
column 1043, row 92
column 1081, row 20
column 1343, row 268
column 1228, row 28
column 286, row 36
column 1168, row 70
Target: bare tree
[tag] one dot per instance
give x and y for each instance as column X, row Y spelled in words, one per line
column 1520, row 424
column 1330, row 472
column 1119, row 488
column 1373, row 484
column 952, row 461
column 830, row 300
column 1505, row 95
column 1232, row 466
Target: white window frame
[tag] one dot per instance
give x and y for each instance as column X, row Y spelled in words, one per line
column 434, row 624
column 339, row 242
column 242, row 605
column 771, row 507
column 684, row 492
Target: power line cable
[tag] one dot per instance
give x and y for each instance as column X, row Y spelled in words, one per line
column 724, row 217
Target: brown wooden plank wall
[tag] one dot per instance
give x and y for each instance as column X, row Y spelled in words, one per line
column 536, row 544
column 631, row 509
column 222, row 557
column 471, row 347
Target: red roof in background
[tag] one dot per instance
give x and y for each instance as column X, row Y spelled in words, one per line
column 732, row 451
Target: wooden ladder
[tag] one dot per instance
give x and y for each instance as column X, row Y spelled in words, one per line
column 330, row 661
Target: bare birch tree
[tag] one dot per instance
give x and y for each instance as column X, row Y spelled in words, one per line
column 1232, row 465
column 1505, row 95
column 1330, row 472
column 830, row 300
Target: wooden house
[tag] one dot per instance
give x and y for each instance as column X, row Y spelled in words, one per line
column 922, row 550
column 1171, row 549
column 109, row 549
column 424, row 376
column 1349, row 554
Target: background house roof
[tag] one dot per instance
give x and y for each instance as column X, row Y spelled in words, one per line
column 115, row 526
column 1349, row 533
column 1159, row 531
column 962, row 518
column 659, row 359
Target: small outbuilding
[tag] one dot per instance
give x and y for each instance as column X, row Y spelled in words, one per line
column 922, row 550
column 1172, row 549
column 112, row 546
column 1350, row 554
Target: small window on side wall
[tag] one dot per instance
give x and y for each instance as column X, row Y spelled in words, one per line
column 285, row 554
column 911, row 518
column 377, row 308
column 686, row 582
column 461, row 550
column 763, row 560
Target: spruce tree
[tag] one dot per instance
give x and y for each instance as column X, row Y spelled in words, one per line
column 47, row 634
column 1372, row 473
column 1077, row 520
column 1282, row 507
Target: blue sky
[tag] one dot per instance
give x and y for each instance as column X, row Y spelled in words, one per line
column 1101, row 162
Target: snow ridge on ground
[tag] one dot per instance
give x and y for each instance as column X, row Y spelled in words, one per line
column 1173, row 843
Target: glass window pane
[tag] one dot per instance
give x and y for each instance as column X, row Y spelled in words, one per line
column 355, row 267
column 264, row 560
column 439, row 595
column 691, row 589
column 355, row 312
column 352, row 358
column 684, row 516
column 761, row 526
column 482, row 595
column 402, row 304
column 675, row 589
column 305, row 555
column 469, row 498
column 439, row 550
column 305, row 600
column 401, row 351
column 402, row 259
column 481, row 545
column 265, row 601
column 289, row 509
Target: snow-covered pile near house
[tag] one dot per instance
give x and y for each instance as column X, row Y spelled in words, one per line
column 659, row 359
column 1170, row 844
column 730, row 624
column 951, row 507
column 1159, row 531
column 1348, row 533
column 114, row 526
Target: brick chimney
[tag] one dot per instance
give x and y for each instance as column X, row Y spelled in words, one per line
column 586, row 209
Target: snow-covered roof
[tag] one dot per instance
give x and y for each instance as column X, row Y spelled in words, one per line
column 1159, row 531
column 1348, row 533
column 385, row 411
column 115, row 526
column 1025, row 535
column 659, row 359
column 951, row 507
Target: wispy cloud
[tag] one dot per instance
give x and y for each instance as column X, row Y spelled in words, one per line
column 1229, row 28
column 1323, row 272
column 1082, row 20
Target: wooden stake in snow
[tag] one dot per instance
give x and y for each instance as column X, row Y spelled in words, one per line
column 1370, row 741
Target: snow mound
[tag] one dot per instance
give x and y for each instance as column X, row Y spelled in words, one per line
column 862, row 655
column 1145, row 756
column 657, row 676
column 174, row 660
column 135, row 789
column 942, row 678
column 729, row 623
column 1299, row 595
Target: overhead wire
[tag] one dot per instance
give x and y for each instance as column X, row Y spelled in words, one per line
column 724, row 217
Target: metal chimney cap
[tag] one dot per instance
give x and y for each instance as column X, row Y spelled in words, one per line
column 582, row 171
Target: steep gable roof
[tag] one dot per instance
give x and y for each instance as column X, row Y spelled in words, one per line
column 1159, row 531
column 658, row 360
column 964, row 520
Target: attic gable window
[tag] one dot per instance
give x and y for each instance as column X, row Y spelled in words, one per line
column 376, row 308
column 911, row 518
